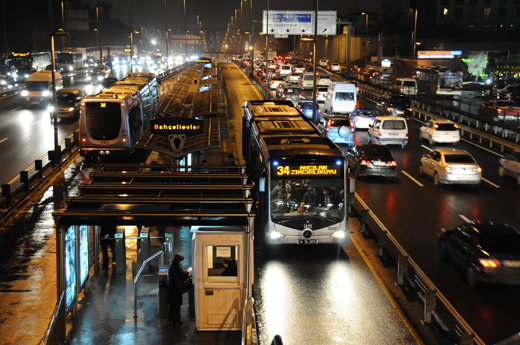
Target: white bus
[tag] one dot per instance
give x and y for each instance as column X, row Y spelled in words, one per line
column 438, row 80
column 70, row 60
column 112, row 121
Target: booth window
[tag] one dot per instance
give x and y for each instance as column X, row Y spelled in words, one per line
column 222, row 263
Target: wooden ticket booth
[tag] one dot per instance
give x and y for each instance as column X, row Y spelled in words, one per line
column 223, row 275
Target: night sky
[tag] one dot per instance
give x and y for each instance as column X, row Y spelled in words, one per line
column 218, row 13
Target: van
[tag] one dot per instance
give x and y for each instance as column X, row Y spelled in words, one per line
column 388, row 130
column 284, row 70
column 407, row 86
column 38, row 86
column 341, row 98
column 306, row 81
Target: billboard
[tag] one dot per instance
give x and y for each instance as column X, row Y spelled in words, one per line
column 298, row 22
column 70, row 266
column 83, row 254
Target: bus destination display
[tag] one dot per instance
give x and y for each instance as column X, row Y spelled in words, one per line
column 307, row 170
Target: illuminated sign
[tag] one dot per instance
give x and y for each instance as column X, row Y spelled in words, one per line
column 439, row 54
column 177, row 125
column 20, row 54
column 307, row 170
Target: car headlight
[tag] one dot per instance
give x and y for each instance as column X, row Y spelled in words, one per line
column 339, row 234
column 274, row 235
column 24, row 93
column 71, row 108
column 89, row 77
column 50, row 108
column 46, row 93
column 3, row 82
column 99, row 78
column 26, row 76
column 71, row 68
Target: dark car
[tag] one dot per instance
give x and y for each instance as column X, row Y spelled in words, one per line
column 68, row 103
column 394, row 105
column 487, row 251
column 288, row 92
column 511, row 92
column 108, row 81
column 372, row 160
column 306, row 108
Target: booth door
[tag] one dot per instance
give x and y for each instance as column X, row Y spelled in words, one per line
column 221, row 298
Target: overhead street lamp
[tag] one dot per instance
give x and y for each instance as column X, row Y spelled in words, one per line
column 185, row 32
column 366, row 38
column 132, row 32
column 414, row 37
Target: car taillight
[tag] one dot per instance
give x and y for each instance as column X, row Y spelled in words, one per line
column 449, row 169
column 406, row 137
column 389, row 110
column 478, row 169
column 489, row 263
column 392, row 163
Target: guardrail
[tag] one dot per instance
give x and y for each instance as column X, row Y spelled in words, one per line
column 435, row 304
column 21, row 183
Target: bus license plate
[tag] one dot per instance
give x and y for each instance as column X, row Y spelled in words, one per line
column 307, row 241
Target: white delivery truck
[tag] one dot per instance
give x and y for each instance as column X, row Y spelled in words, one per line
column 38, row 87
column 341, row 98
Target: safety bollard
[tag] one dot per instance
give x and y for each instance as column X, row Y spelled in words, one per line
column 430, row 302
column 381, row 242
column 402, row 268
column 277, row 340
column 24, row 178
column 365, row 215
column 38, row 165
column 6, row 193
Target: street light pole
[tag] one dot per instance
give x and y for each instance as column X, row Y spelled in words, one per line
column 267, row 52
column 315, row 58
column 99, row 37
column 366, row 39
column 414, row 37
column 185, row 32
column 166, row 29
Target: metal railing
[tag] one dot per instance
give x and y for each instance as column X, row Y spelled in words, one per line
column 434, row 302
column 21, row 182
column 50, row 338
column 136, row 278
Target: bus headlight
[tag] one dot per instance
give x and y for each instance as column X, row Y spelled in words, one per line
column 339, row 234
column 71, row 108
column 46, row 93
column 50, row 108
column 274, row 235
column 24, row 93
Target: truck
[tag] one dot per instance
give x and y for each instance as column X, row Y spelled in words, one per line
column 38, row 87
column 28, row 63
column 70, row 61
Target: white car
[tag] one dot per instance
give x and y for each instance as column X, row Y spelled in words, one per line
column 275, row 81
column 321, row 93
column 440, row 131
column 306, row 80
column 323, row 80
column 510, row 165
column 323, row 62
column 451, row 167
column 335, row 67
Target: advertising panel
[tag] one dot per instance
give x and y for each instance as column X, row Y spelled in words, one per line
column 83, row 254
column 70, row 264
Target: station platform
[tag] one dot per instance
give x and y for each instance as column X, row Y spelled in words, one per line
column 105, row 312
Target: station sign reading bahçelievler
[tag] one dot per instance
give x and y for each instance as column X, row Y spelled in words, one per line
column 177, row 125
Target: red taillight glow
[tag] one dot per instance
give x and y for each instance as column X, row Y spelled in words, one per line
column 392, row 163
column 489, row 263
column 124, row 140
column 478, row 169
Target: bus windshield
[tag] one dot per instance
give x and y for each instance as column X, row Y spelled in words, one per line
column 315, row 203
column 64, row 58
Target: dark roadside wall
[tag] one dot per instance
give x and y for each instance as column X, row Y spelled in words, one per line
column 403, row 68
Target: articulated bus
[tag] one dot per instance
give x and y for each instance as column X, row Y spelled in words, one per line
column 438, row 80
column 301, row 177
column 113, row 120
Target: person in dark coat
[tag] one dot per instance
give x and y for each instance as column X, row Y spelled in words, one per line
column 107, row 236
column 175, row 278
column 230, row 269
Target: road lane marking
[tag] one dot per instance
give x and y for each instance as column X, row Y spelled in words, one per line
column 17, row 108
column 427, row 148
column 491, row 183
column 464, row 218
column 483, row 148
column 411, row 178
column 4, row 139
